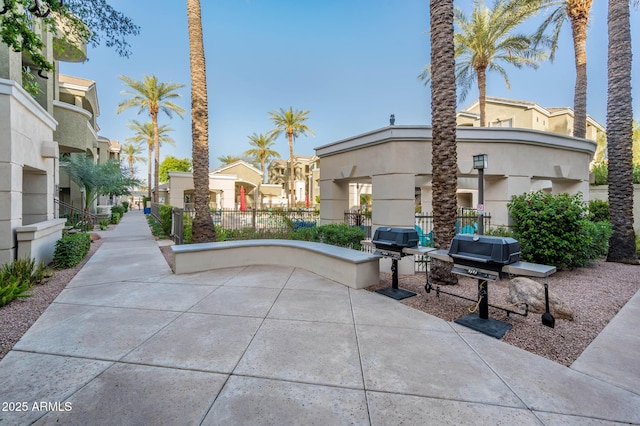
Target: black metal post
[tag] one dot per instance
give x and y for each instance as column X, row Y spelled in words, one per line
column 481, row 201
column 394, row 273
column 483, row 296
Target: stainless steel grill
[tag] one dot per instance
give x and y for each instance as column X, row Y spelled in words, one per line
column 482, row 257
column 392, row 243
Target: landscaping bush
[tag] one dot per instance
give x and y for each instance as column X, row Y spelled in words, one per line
column 70, row 250
column 340, row 234
column 115, row 218
column 553, row 229
column 601, row 174
column 104, row 224
column 165, row 218
column 598, row 211
column 118, row 209
column 500, row 231
column 125, row 206
column 156, row 227
column 13, row 287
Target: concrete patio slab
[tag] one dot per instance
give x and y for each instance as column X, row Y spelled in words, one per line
column 238, row 301
column 131, row 294
column 394, row 409
column 216, row 278
column 620, row 340
column 253, row 401
column 34, row 378
column 305, row 280
column 310, row 352
column 312, row 305
column 92, row 331
column 261, row 276
column 171, row 397
column 550, row 387
column 438, row 365
column 374, row 309
column 198, row 342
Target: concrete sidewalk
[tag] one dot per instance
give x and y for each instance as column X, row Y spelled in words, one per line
column 128, row 342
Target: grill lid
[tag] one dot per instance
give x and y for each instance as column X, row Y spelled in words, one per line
column 483, row 251
column 395, row 239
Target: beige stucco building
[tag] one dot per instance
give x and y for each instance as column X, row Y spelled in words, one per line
column 396, row 160
column 59, row 117
column 501, row 112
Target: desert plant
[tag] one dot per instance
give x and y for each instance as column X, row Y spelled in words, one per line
column 104, row 224
column 12, row 287
column 70, row 250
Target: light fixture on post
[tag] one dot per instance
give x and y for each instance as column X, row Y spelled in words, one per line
column 480, row 162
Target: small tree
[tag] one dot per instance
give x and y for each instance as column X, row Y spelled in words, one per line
column 173, row 164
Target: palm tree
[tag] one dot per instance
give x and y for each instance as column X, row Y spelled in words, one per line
column 577, row 13
column 622, row 244
column 144, row 133
column 203, row 229
column 443, row 151
column 487, row 40
column 292, row 123
column 261, row 151
column 152, row 96
column 131, row 153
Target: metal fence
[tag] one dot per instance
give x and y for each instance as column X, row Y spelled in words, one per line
column 262, row 222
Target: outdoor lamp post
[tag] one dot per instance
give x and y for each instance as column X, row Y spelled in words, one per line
column 480, row 162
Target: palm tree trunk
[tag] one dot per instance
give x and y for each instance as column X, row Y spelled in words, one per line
column 150, row 148
column 579, row 17
column 482, row 94
column 291, row 171
column 622, row 246
column 156, row 162
column 443, row 152
column 202, row 228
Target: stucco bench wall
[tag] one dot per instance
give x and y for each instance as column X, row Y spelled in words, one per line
column 349, row 267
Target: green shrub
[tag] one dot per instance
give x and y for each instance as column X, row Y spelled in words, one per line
column 500, row 231
column 125, row 206
column 598, row 211
column 335, row 234
column 600, row 174
column 552, row 230
column 104, row 224
column 166, row 218
column 156, row 227
column 595, row 241
column 115, row 218
column 70, row 250
column 118, row 209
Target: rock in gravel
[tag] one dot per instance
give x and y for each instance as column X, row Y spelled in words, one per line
column 526, row 290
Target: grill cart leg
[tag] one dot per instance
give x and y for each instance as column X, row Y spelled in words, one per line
column 394, row 292
column 483, row 297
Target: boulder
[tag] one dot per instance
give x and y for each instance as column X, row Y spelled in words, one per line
column 525, row 290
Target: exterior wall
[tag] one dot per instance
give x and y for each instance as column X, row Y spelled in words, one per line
column 398, row 159
column 601, row 192
column 28, row 174
column 222, row 189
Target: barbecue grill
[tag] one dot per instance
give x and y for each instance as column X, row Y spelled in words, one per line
column 393, row 243
column 482, row 257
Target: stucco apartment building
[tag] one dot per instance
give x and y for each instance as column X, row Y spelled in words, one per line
column 58, row 119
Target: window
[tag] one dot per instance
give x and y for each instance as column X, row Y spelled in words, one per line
column 502, row 123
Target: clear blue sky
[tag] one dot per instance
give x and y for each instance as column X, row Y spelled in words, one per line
column 352, row 63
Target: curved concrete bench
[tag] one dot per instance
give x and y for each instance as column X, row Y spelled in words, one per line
column 352, row 268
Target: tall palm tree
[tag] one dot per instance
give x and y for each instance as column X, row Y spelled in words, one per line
column 144, row 132
column 152, row 96
column 292, row 123
column 622, row 246
column 443, row 151
column 487, row 40
column 203, row 229
column 577, row 13
column 131, row 154
column 261, row 151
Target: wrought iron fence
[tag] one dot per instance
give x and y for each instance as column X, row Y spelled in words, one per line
column 260, row 223
column 75, row 216
column 358, row 218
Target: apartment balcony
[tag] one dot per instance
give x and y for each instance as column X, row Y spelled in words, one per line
column 74, row 132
